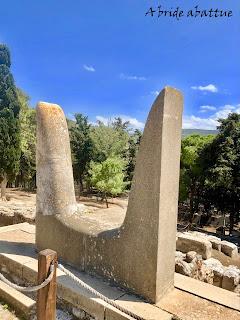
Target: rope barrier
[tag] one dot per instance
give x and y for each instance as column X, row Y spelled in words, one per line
column 30, row 288
column 98, row 294
column 78, row 281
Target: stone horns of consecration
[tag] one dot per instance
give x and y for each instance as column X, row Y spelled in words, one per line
column 55, row 184
column 142, row 255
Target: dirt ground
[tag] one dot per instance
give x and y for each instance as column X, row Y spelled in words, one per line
column 21, row 206
column 225, row 260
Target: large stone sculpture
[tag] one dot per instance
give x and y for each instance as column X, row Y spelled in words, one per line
column 140, row 254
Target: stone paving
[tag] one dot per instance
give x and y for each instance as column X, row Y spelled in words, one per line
column 17, row 254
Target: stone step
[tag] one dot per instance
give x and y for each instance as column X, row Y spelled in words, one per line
column 22, row 304
column 18, row 258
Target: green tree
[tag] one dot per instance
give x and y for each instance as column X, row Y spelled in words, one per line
column 109, row 141
column 119, row 124
column 82, row 147
column 108, row 177
column 191, row 174
column 134, row 143
column 9, row 122
column 27, row 119
column 221, row 164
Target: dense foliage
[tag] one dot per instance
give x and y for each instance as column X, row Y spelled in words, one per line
column 221, row 165
column 9, row 122
column 103, row 155
column 27, row 172
column 108, row 177
column 82, row 147
column 191, row 174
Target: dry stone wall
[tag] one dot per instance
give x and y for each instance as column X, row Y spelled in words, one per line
column 194, row 259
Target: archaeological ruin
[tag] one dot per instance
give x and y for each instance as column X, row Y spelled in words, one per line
column 140, row 254
column 120, row 263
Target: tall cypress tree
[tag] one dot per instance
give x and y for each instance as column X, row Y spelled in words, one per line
column 9, row 122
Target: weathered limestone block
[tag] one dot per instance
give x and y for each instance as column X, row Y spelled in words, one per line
column 200, row 271
column 218, row 270
column 187, row 242
column 184, row 268
column 190, row 256
column 180, row 256
column 216, row 242
column 55, row 187
column 230, row 249
column 206, row 275
column 139, row 254
column 231, row 277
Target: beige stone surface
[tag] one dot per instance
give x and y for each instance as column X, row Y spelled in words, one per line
column 112, row 313
column 142, row 309
column 187, row 303
column 187, row 242
column 216, row 243
column 190, row 256
column 20, row 207
column 55, row 187
column 189, row 307
column 17, row 226
column 207, row 291
column 20, row 302
column 231, row 278
column 229, row 249
column 15, row 253
column 147, row 235
column 184, row 268
column 218, row 270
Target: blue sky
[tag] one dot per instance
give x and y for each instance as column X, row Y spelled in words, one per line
column 106, row 58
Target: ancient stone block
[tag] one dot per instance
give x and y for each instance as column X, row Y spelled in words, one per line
column 218, row 270
column 140, row 254
column 216, row 242
column 184, row 268
column 190, row 256
column 180, row 256
column 231, row 278
column 187, row 242
column 230, row 249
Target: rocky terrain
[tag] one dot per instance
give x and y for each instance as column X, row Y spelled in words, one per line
column 196, row 258
column 19, row 207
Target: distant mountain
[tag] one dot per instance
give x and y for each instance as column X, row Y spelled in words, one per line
column 203, row 132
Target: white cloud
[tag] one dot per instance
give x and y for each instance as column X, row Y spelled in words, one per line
column 131, row 77
column 104, row 120
column 210, row 123
column 89, row 68
column 193, row 122
column 155, row 93
column 207, row 108
column 133, row 122
column 208, row 88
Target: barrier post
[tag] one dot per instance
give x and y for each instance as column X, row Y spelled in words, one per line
column 46, row 297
